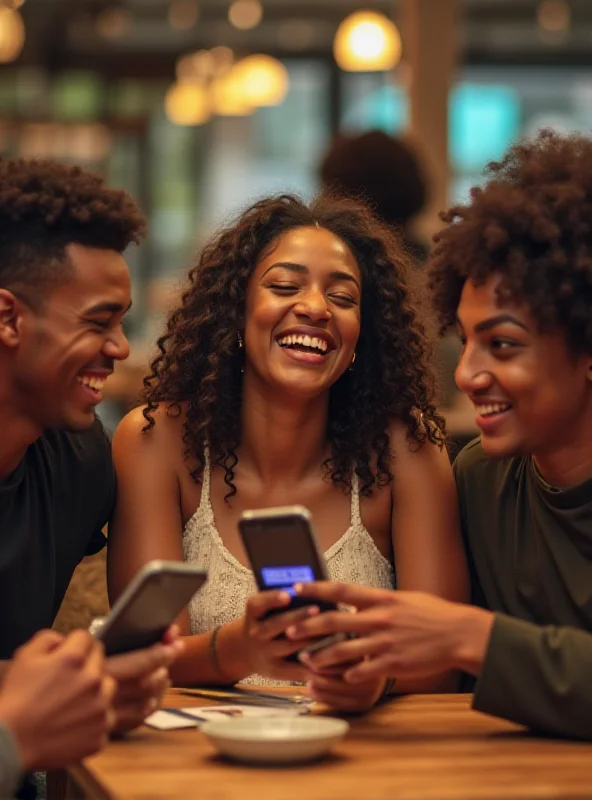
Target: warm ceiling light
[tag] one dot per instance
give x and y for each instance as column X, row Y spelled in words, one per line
column 554, row 16
column 227, row 95
column 245, row 14
column 264, row 80
column 367, row 41
column 183, row 14
column 12, row 35
column 187, row 104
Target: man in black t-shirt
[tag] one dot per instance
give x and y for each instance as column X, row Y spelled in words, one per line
column 64, row 288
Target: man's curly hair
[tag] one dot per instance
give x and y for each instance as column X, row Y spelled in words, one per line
column 531, row 223
column 200, row 361
column 44, row 206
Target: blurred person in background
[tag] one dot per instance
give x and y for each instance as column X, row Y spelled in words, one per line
column 64, row 288
column 384, row 172
column 513, row 269
column 294, row 370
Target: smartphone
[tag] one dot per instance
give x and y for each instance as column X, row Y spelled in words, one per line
column 282, row 550
column 152, row 601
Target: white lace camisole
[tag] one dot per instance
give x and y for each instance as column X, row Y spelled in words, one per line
column 354, row 558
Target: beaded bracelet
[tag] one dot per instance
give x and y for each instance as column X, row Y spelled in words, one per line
column 213, row 650
column 214, row 659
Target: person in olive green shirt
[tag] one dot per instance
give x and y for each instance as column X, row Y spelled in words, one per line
column 513, row 270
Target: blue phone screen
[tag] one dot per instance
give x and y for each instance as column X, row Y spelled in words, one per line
column 286, row 576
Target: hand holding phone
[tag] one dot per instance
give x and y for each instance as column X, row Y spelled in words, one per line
column 283, row 551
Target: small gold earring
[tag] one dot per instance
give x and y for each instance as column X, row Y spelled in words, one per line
column 353, row 361
column 240, row 340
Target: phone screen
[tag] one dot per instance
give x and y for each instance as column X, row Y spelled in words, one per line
column 282, row 552
column 152, row 602
column 285, row 577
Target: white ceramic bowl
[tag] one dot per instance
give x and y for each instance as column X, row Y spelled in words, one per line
column 275, row 740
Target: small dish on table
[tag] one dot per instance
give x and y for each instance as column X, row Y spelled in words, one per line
column 275, row 740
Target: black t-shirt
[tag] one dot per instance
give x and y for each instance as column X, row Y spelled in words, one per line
column 52, row 510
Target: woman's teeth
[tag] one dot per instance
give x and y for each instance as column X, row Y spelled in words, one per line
column 304, row 341
column 93, row 383
column 492, row 408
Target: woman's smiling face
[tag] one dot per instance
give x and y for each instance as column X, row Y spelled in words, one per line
column 302, row 318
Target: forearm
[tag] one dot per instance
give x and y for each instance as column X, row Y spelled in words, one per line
column 442, row 683
column 199, row 664
column 469, row 635
column 4, row 665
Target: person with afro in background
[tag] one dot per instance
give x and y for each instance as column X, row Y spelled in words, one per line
column 384, row 172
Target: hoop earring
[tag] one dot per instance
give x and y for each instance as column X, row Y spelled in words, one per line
column 353, row 361
column 240, row 340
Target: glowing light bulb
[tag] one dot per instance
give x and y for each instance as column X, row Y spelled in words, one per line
column 367, row 41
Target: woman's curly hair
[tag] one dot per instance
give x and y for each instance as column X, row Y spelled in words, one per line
column 44, row 206
column 531, row 223
column 200, row 362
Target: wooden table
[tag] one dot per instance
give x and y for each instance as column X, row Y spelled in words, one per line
column 430, row 747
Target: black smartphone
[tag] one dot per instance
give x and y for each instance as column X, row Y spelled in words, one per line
column 282, row 550
column 149, row 605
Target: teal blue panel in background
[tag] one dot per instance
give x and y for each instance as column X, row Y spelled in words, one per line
column 484, row 121
column 385, row 108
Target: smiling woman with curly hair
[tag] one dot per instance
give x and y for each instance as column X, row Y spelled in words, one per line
column 295, row 370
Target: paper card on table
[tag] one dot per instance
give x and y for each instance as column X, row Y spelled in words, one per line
column 163, row 720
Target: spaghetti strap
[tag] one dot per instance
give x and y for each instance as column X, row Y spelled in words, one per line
column 355, row 516
column 205, row 501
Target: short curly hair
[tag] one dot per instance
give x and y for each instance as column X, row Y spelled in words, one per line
column 200, row 363
column 531, row 223
column 44, row 206
column 382, row 170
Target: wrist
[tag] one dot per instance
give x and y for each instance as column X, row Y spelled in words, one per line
column 229, row 653
column 471, row 634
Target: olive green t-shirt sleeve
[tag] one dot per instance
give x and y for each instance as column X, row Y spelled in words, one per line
column 10, row 764
column 538, row 676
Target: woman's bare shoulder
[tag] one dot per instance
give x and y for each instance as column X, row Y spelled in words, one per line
column 135, row 429
column 411, row 455
column 402, row 439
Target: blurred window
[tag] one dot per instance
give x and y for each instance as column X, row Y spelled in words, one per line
column 77, row 95
column 191, row 180
column 373, row 100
